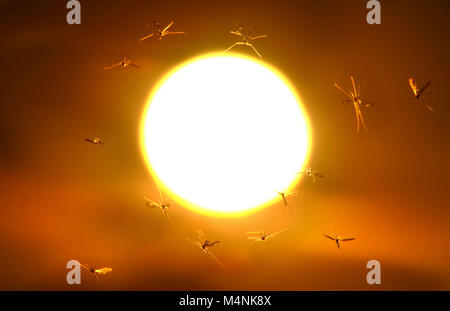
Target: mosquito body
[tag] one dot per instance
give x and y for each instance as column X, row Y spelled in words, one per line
column 162, row 204
column 246, row 39
column 283, row 195
column 355, row 99
column 95, row 141
column 125, row 62
column 419, row 91
column 160, row 32
column 205, row 244
column 338, row 239
column 312, row 173
column 96, row 272
column 261, row 236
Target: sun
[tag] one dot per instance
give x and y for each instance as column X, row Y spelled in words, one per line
column 222, row 133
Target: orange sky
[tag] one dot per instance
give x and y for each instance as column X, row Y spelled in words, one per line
column 63, row 199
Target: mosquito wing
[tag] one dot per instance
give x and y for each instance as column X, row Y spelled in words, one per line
column 168, row 26
column 424, row 88
column 295, row 192
column 213, row 243
column 413, row 85
column 103, row 270
column 327, row 236
column 258, row 37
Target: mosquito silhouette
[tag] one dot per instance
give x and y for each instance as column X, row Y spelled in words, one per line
column 160, row 32
column 283, row 195
column 96, row 271
column 261, row 236
column 125, row 62
column 312, row 173
column 355, row 98
column 163, row 204
column 419, row 91
column 246, row 39
column 338, row 239
column 205, row 244
column 95, row 141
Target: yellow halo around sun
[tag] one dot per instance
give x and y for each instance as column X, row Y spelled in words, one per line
column 221, row 134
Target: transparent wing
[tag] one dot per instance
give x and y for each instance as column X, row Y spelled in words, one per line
column 213, row 243
column 111, row 67
column 103, row 270
column 327, row 236
column 258, row 37
column 413, row 86
column 429, row 108
column 348, row 239
column 168, row 26
column 295, row 192
column 424, row 88
column 237, row 33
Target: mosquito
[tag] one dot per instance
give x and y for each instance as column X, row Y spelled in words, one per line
column 96, row 272
column 95, row 141
column 204, row 244
column 125, row 62
column 338, row 239
column 355, row 98
column 160, row 32
column 163, row 204
column 419, row 91
column 261, row 236
column 285, row 194
column 312, row 173
column 246, row 39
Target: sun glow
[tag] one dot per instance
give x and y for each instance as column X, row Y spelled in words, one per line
column 223, row 133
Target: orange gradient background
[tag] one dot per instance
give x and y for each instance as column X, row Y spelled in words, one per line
column 63, row 199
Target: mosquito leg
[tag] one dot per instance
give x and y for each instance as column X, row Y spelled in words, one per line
column 362, row 121
column 230, row 47
column 251, row 45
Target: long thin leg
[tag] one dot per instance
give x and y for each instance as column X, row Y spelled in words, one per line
column 340, row 89
column 362, row 120
column 237, row 43
column 146, row 37
column 251, row 45
column 354, row 87
column 357, row 118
